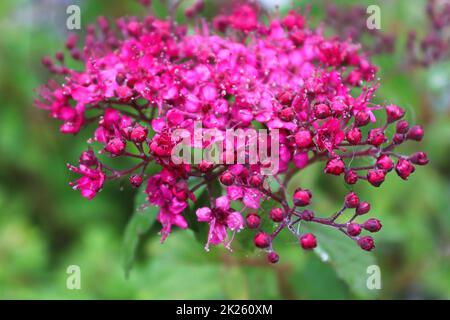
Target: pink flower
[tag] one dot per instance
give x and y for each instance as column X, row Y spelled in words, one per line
column 329, row 135
column 250, row 197
column 220, row 218
column 90, row 183
column 164, row 191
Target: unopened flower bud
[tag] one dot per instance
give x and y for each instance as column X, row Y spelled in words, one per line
column 115, row 146
column 307, row 215
column 227, row 178
column 322, row 111
column 385, row 163
column 262, row 240
column 276, row 214
column 394, row 113
column 308, row 241
column 287, row 114
column 376, row 137
column 302, row 198
column 362, row 118
column 404, row 168
column 351, row 177
column 415, row 133
column 351, row 200
column 353, row 229
column 303, row 138
column 354, row 136
column 372, row 225
column 253, row 221
column 285, row 98
column 362, row 208
column 376, row 177
column 398, row 138
column 273, row 257
column 366, row 243
column 136, row 180
column 255, row 181
column 419, row 158
column 402, row 127
column 335, row 166
column 138, row 134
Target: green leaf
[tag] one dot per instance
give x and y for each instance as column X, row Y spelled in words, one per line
column 189, row 272
column 347, row 259
column 139, row 224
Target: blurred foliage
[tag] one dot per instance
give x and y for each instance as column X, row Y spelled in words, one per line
column 45, row 227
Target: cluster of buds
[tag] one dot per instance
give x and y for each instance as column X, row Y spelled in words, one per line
column 431, row 46
column 292, row 218
column 143, row 80
column 350, row 22
column 434, row 46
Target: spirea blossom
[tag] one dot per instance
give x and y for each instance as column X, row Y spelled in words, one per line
column 138, row 81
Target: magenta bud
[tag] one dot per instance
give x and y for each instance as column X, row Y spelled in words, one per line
column 307, row 215
column 353, row 229
column 402, row 127
column 276, row 214
column 419, row 158
column 362, row 208
column 354, row 136
column 415, row 133
column 262, row 240
column 366, row 243
column 362, row 118
column 47, row 62
column 376, row 137
column 372, row 225
column 227, row 178
column 376, row 177
column 255, row 181
column 398, row 138
column 273, row 257
column 303, row 138
column 287, row 114
column 253, row 221
column 351, row 177
column 136, row 180
column 308, row 241
column 385, row 163
column 59, row 56
column 302, row 198
column 285, row 98
column 322, row 111
column 335, row 166
column 404, row 168
column 115, row 146
column 351, row 200
column 394, row 113
column 138, row 134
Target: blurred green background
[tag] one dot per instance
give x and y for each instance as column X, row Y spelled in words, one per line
column 46, row 227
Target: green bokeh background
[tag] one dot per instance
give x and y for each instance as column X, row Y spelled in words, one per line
column 46, row 227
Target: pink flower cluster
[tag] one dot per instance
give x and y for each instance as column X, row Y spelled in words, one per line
column 141, row 80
